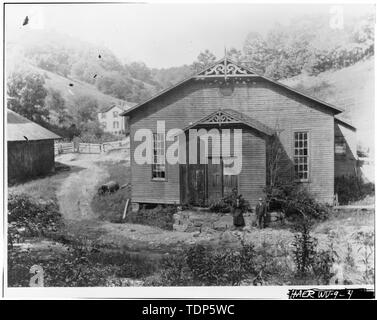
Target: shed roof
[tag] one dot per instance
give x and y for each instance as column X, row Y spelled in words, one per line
column 345, row 122
column 21, row 129
column 227, row 68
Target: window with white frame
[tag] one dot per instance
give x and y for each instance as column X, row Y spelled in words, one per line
column 115, row 114
column 103, row 115
column 115, row 125
column 158, row 166
column 301, row 155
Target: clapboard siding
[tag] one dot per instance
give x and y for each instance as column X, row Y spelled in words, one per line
column 252, row 178
column 261, row 100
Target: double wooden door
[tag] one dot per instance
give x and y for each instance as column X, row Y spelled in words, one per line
column 206, row 183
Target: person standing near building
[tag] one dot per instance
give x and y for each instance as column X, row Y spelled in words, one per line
column 261, row 212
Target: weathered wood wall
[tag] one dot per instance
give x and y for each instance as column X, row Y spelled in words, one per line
column 346, row 164
column 27, row 159
column 252, row 178
column 287, row 112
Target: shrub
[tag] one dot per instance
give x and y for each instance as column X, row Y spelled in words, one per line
column 27, row 217
column 309, row 261
column 366, row 242
column 130, row 265
column 219, row 206
column 70, row 269
column 322, row 265
column 230, row 201
column 350, row 261
column 302, row 203
column 82, row 263
column 295, row 202
column 352, row 188
column 304, row 249
column 201, row 265
column 175, row 271
column 160, row 216
column 19, row 264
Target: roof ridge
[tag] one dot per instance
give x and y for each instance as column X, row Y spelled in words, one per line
column 198, row 75
column 19, row 128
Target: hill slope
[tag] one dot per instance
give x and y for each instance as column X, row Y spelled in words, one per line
column 76, row 59
column 70, row 88
column 352, row 89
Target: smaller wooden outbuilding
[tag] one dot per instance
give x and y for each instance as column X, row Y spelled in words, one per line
column 30, row 148
column 346, row 163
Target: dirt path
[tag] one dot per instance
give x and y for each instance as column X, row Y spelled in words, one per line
column 74, row 197
column 76, row 192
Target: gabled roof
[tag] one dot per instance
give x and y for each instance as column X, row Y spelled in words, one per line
column 125, row 106
column 224, row 116
column 226, row 68
column 22, row 129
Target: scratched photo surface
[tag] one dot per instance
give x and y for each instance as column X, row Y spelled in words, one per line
column 190, row 145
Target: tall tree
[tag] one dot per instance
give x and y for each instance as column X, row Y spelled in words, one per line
column 235, row 55
column 86, row 109
column 26, row 96
column 58, row 111
column 204, row 60
column 140, row 71
column 256, row 52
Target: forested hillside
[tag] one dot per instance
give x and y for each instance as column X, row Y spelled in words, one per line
column 80, row 78
column 351, row 88
column 309, row 45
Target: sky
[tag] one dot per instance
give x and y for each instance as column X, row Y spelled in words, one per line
column 162, row 35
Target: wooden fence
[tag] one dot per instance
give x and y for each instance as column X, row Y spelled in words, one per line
column 69, row 147
column 89, row 148
column 63, row 147
column 121, row 144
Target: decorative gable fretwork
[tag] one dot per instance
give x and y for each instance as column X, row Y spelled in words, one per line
column 226, row 68
column 220, row 117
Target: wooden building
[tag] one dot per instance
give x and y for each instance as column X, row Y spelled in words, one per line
column 345, row 149
column 30, row 148
column 111, row 121
column 228, row 95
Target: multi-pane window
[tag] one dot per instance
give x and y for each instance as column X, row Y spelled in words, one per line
column 301, row 155
column 115, row 114
column 158, row 166
column 340, row 145
column 115, row 125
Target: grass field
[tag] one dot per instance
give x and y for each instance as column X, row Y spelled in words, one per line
column 110, row 207
column 346, row 230
column 44, row 188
